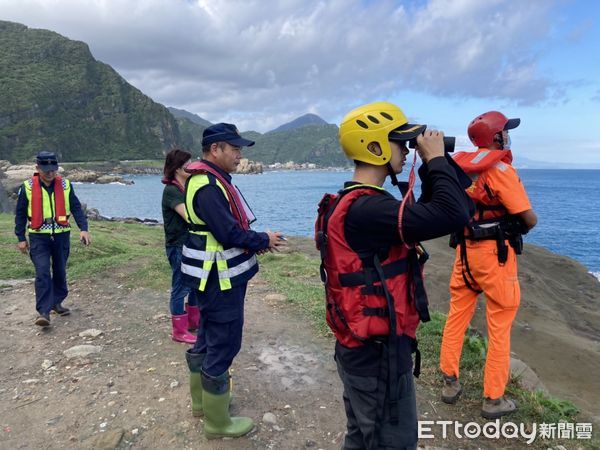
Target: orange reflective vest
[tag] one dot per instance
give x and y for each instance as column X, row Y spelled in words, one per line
column 44, row 210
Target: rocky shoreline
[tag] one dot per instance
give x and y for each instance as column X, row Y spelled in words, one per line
column 12, row 175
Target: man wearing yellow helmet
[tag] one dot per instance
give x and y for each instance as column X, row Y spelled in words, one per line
column 372, row 267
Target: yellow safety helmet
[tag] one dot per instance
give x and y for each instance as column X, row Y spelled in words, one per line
column 376, row 122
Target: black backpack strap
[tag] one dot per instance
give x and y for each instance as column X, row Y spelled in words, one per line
column 419, row 294
column 393, row 346
column 325, row 211
column 466, row 271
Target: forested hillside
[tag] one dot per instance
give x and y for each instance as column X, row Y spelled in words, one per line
column 55, row 95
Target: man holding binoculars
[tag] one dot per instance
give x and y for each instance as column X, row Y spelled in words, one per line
column 372, row 266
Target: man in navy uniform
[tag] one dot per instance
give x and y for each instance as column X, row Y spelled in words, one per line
column 219, row 258
column 45, row 204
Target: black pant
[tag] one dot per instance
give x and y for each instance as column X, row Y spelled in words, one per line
column 366, row 399
column 49, row 254
column 221, row 325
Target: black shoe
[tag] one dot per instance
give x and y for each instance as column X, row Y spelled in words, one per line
column 61, row 311
column 43, row 320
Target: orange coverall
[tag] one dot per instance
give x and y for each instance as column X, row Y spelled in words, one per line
column 499, row 283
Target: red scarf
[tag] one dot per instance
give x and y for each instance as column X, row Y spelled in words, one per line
column 235, row 201
column 60, row 211
column 175, row 183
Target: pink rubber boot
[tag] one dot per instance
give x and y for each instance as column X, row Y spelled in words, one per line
column 180, row 332
column 193, row 317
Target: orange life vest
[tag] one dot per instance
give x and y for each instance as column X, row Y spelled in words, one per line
column 475, row 164
column 37, row 213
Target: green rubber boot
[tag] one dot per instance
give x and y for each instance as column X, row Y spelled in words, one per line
column 194, row 361
column 215, row 401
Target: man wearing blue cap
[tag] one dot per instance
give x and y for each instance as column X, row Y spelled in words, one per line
column 219, row 258
column 45, row 204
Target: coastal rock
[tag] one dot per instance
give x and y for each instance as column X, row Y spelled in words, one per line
column 81, row 351
column 275, row 298
column 291, row 165
column 4, row 164
column 247, row 166
column 270, row 418
column 528, row 379
column 107, row 179
column 83, row 176
column 91, row 176
column 109, row 439
column 91, row 332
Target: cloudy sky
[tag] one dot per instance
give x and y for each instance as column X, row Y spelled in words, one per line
column 260, row 63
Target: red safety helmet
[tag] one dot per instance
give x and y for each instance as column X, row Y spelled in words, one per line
column 484, row 127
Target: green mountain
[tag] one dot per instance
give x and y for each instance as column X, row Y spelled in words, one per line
column 307, row 144
column 307, row 139
column 54, row 95
column 191, row 135
column 183, row 114
column 306, row 119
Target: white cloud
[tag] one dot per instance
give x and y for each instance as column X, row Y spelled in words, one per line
column 260, row 63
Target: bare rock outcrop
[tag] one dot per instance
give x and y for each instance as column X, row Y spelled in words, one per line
column 247, row 166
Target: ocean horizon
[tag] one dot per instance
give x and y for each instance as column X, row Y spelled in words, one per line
column 567, row 203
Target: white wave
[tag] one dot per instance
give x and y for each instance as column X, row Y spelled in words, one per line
column 596, row 274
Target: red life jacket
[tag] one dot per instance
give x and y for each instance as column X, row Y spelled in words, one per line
column 236, row 202
column 476, row 164
column 356, row 304
column 60, row 211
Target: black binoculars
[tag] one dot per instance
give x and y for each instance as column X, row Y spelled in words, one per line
column 449, row 143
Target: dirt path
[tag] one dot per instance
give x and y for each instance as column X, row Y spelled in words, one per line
column 136, row 387
column 133, row 393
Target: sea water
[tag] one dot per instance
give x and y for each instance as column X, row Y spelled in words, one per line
column 567, row 203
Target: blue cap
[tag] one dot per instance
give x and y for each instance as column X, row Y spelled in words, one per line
column 46, row 161
column 224, row 132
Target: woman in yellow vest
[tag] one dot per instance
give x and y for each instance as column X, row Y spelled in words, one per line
column 45, row 204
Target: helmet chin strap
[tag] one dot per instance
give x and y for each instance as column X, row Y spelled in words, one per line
column 392, row 174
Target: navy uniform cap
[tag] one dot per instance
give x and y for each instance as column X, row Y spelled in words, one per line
column 47, row 161
column 224, row 132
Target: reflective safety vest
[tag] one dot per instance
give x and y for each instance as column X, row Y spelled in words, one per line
column 357, row 305
column 235, row 266
column 48, row 213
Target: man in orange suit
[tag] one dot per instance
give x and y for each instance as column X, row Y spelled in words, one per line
column 486, row 260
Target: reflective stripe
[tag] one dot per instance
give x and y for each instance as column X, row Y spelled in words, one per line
column 501, row 166
column 239, row 269
column 480, row 156
column 198, row 254
column 230, row 253
column 211, row 256
column 196, row 272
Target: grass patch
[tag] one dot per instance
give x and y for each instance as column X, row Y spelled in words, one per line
column 293, row 274
column 136, row 251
